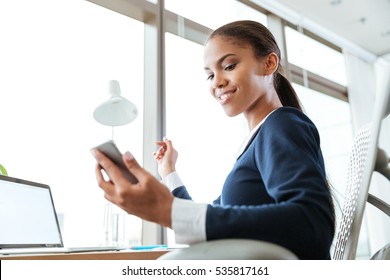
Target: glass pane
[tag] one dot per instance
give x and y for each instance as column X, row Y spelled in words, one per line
column 315, row 57
column 55, row 67
column 214, row 13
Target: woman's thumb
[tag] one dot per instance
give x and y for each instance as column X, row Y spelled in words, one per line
column 132, row 165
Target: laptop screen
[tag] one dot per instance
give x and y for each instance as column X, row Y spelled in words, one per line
column 27, row 215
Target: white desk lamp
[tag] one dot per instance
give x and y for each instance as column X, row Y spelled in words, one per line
column 116, row 111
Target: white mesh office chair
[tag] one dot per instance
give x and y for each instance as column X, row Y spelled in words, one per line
column 359, row 174
column 363, row 161
column 366, row 157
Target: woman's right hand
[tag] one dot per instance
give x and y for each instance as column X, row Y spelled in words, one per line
column 166, row 157
column 148, row 199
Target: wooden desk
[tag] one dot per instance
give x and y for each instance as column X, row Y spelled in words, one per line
column 112, row 255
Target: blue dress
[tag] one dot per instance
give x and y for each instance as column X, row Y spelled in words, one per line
column 277, row 190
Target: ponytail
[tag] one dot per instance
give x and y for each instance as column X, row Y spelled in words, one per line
column 286, row 92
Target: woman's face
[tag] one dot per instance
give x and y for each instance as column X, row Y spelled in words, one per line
column 237, row 79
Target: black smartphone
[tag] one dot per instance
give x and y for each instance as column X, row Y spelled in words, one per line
column 112, row 152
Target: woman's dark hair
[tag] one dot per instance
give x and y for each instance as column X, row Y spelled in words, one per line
column 263, row 43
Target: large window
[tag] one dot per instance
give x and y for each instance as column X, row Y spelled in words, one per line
column 56, row 60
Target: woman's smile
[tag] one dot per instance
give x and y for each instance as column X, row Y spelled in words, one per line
column 225, row 96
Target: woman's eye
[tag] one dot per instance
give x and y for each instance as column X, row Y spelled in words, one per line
column 230, row 67
column 210, row 77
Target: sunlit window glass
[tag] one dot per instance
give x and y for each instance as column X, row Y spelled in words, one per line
column 57, row 58
column 315, row 57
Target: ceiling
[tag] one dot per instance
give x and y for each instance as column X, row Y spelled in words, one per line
column 365, row 23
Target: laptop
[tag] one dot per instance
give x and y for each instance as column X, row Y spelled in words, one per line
column 29, row 222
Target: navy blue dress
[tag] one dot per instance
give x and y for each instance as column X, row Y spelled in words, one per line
column 277, row 190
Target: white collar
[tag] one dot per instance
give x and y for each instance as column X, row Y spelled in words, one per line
column 249, row 137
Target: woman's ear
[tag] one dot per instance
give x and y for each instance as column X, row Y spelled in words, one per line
column 271, row 63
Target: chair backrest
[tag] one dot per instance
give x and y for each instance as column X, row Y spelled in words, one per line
column 360, row 169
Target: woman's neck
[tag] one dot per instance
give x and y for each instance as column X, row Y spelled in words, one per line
column 259, row 114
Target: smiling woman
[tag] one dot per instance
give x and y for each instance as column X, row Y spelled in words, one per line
column 260, row 199
column 54, row 74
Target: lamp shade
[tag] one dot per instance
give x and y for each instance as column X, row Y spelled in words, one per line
column 117, row 110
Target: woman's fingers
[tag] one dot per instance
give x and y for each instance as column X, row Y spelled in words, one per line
column 160, row 153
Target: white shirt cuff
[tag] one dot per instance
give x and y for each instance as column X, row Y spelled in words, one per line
column 188, row 221
column 172, row 181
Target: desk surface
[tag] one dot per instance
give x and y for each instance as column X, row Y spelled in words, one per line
column 111, row 255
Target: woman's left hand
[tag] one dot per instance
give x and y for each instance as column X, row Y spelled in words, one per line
column 166, row 157
column 147, row 199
